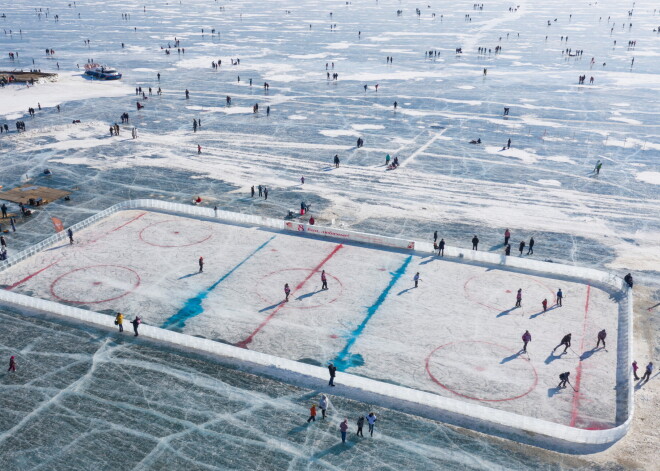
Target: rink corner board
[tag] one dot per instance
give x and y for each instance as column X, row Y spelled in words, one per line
column 484, row 419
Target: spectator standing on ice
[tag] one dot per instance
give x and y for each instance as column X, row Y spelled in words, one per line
column 12, row 364
column 565, row 341
column 136, row 323
column 119, row 321
column 519, row 298
column 265, row 193
column 252, row 192
column 70, row 234
column 647, row 373
column 526, row 338
column 371, row 420
column 530, row 251
column 312, row 414
column 336, row 160
column 201, row 264
column 333, row 371
column 563, row 379
column 635, row 368
column 324, row 280
column 441, row 248
column 599, row 165
column 601, row 338
column 544, row 303
column 199, row 149
column 475, row 242
column 435, row 236
column 360, row 424
column 215, row 211
column 629, row 280
column 3, row 242
column 302, row 180
column 4, row 210
column 416, row 279
column 323, row 405
column 507, row 236
column 507, row 249
column 560, row 297
column 521, row 247
column 287, row 292
column 260, row 191
column 343, row 428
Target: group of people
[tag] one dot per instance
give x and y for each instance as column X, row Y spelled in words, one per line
column 119, row 322
column 263, row 191
column 323, row 405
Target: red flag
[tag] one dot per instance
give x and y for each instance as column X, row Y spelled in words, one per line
column 57, row 223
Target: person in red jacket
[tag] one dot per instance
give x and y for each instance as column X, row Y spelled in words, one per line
column 12, row 364
column 544, row 303
column 507, row 236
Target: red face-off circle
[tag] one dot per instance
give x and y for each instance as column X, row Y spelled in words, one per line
column 482, row 371
column 95, row 284
column 174, row 233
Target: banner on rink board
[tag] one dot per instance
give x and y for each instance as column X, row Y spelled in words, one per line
column 350, row 235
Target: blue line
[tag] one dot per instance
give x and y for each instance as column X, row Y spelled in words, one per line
column 193, row 307
column 345, row 359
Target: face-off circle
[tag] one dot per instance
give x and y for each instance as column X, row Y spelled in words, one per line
column 270, row 288
column 498, row 293
column 95, row 284
column 172, row 233
column 482, row 371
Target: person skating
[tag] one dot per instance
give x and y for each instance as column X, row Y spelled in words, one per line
column 521, row 247
column 416, row 279
column 475, row 242
column 647, row 372
column 563, row 379
column 601, row 338
column 312, row 414
column 441, row 248
column 336, row 160
column 199, row 149
column 565, row 341
column 12, row 364
column 599, row 165
column 560, row 297
column 323, row 405
column 530, row 251
column 136, row 323
column 324, row 280
column 302, row 180
column 201, row 264
column 526, row 338
column 628, row 279
column 70, row 234
column 544, row 303
column 371, row 420
column 519, row 298
column 332, row 369
column 287, row 292
column 635, row 368
column 507, row 236
column 360, row 424
column 119, row 321
column 507, row 249
column 343, row 428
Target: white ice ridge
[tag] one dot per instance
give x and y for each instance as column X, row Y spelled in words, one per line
column 396, row 397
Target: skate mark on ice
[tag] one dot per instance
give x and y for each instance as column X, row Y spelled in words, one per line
column 193, row 307
column 30, row 276
column 245, row 342
column 578, row 373
column 345, row 359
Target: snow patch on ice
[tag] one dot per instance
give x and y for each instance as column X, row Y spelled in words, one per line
column 649, row 177
column 549, row 182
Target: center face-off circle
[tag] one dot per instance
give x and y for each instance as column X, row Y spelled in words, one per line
column 501, row 292
column 270, row 288
column 172, row 233
column 482, row 371
column 95, row 284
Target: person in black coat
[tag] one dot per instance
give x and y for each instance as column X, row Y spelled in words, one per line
column 530, row 251
column 628, row 279
column 521, row 247
column 333, row 370
column 475, row 242
column 507, row 249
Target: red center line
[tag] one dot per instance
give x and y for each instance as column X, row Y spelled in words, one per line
column 11, row 287
column 244, row 343
column 578, row 373
column 118, row 227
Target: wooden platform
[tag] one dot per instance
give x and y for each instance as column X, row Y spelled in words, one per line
column 24, row 193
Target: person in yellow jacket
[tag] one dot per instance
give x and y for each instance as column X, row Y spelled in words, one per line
column 119, row 320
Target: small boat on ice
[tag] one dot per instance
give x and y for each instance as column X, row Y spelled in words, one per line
column 101, row 72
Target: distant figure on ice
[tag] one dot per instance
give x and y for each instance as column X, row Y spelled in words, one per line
column 628, row 279
column 599, row 164
column 475, row 242
column 416, row 279
column 530, row 251
column 119, row 321
column 332, row 369
column 544, row 303
column 12, row 364
column 647, row 373
column 601, row 338
column 526, row 338
column 360, row 424
column 324, row 280
column 252, row 192
column 519, row 298
column 435, row 236
column 201, row 264
column 371, row 420
column 199, row 149
column 507, row 249
column 287, row 292
column 187, row 94
column 136, row 323
column 563, row 379
column 560, row 297
column 565, row 341
column 336, row 160
column 521, row 247
column 343, row 428
column 634, row 369
column 312, row 414
column 506, row 111
column 323, row 405
column 302, row 180
column 70, row 234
